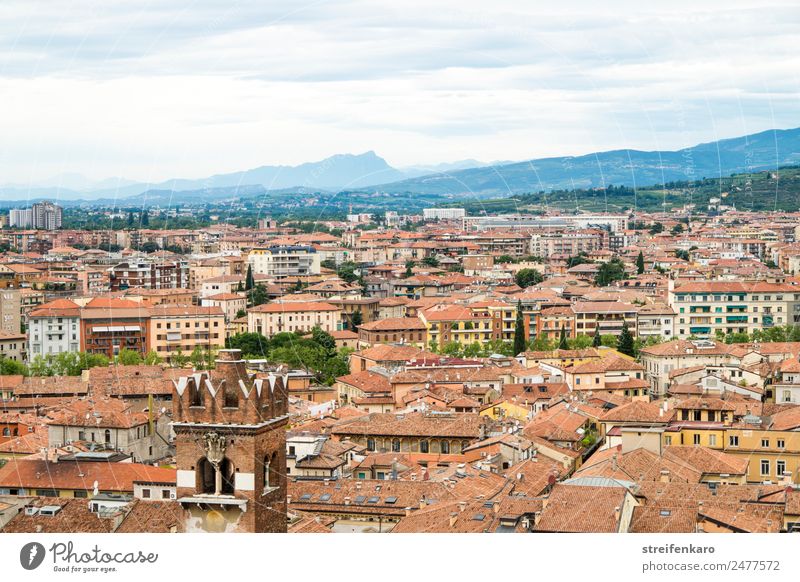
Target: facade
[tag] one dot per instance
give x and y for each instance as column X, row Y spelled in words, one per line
column 604, row 317
column 184, row 328
column 710, row 308
column 149, row 275
column 300, row 317
column 403, row 330
column 10, row 310
column 20, row 218
column 46, row 216
column 443, row 213
column 108, row 331
column 283, row 262
column 54, row 328
column 230, row 439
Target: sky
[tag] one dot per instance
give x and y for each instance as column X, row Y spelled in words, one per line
column 150, row 90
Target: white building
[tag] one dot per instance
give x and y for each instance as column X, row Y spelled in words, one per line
column 20, row 218
column 443, row 213
column 285, row 261
column 54, row 328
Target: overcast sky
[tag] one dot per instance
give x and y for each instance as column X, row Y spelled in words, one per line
column 152, row 90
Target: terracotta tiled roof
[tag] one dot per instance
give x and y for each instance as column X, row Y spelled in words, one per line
column 582, row 509
column 117, row 477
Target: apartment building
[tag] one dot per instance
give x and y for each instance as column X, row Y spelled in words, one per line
column 403, row 330
column 184, row 328
column 149, row 275
column 457, row 323
column 300, row 317
column 710, row 308
column 604, row 317
column 54, row 328
column 108, row 326
column 655, row 321
column 282, row 262
column 566, row 243
column 552, row 320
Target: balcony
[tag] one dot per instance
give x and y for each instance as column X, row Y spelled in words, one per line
column 699, row 330
column 736, row 319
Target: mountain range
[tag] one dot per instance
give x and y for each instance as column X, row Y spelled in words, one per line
column 368, row 171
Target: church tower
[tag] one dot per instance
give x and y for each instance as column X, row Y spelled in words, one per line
column 230, row 439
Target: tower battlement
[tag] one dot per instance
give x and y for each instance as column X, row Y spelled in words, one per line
column 229, row 394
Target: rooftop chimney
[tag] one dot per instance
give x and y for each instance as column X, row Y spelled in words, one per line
column 462, row 505
column 664, row 476
column 453, row 518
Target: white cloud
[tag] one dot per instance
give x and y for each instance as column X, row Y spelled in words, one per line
column 199, row 87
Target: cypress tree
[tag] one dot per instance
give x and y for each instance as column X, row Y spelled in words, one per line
column 519, row 331
column 640, row 263
column 596, row 340
column 562, row 341
column 625, row 341
column 249, row 281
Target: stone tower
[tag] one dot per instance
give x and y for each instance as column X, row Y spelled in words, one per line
column 230, row 440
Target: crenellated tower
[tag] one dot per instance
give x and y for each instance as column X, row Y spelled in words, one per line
column 230, row 439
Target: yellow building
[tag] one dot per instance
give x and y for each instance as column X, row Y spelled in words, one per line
column 183, row 329
column 504, row 409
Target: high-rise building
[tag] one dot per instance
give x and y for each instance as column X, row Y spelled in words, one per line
column 42, row 215
column 47, row 216
column 20, row 218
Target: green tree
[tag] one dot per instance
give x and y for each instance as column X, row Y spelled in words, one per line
column 178, row 359
column 613, row 270
column 347, row 272
column 198, row 358
column 656, row 228
column 241, row 313
column 324, row 339
column 149, row 247
column 250, row 343
column 152, row 358
column 520, row 339
column 527, row 277
column 505, row 259
column 409, row 269
column 580, row 342
column 430, row 261
column 640, row 263
column 258, row 295
column 597, row 340
column 9, row 367
column 625, row 341
column 127, row 357
column 249, row 280
column 356, row 319
column 562, row 340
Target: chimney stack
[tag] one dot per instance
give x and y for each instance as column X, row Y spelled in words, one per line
column 453, row 518
column 664, row 476
column 462, row 505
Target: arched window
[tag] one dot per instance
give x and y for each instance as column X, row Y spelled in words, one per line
column 370, row 444
column 445, row 447
column 464, row 445
column 108, row 436
column 423, row 446
column 6, row 432
column 396, row 445
column 271, row 473
column 196, row 399
column 206, row 477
